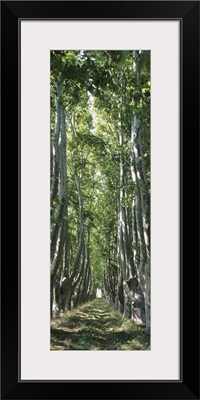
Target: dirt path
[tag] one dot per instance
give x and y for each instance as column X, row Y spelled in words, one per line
column 96, row 326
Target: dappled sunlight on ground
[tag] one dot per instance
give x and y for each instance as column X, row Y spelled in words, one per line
column 97, row 326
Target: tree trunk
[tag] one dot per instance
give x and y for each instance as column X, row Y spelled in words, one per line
column 141, row 208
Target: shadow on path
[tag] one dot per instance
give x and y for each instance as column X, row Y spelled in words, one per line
column 97, row 326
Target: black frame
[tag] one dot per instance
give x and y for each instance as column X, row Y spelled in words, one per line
column 188, row 13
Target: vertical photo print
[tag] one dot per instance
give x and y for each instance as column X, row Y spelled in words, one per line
column 100, row 262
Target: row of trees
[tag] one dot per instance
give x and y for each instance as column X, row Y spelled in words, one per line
column 100, row 180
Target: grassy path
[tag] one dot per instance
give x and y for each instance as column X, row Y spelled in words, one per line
column 96, row 326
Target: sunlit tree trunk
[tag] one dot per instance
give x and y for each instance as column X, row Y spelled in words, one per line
column 141, row 207
column 119, row 302
column 59, row 233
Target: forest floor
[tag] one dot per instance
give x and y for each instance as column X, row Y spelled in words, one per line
column 97, row 326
